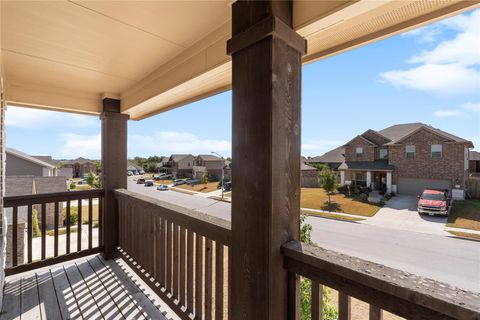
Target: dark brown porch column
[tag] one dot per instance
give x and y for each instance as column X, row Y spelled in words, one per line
column 114, row 168
column 266, row 79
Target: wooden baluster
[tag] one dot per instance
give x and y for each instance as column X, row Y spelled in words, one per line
column 14, row 236
column 79, row 226
column 343, row 306
column 190, row 271
column 375, row 313
column 208, row 280
column 55, row 230
column 198, row 276
column 90, row 223
column 29, row 233
column 219, row 276
column 100, row 221
column 175, row 260
column 44, row 231
column 317, row 301
column 182, row 266
column 67, row 221
column 293, row 297
column 169, row 256
column 163, row 254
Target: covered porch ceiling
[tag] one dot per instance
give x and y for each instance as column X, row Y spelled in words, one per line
column 155, row 56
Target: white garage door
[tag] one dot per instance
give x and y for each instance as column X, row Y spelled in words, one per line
column 415, row 186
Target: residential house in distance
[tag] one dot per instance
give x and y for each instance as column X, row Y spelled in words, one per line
column 80, row 166
column 17, row 186
column 133, row 168
column 333, row 158
column 474, row 162
column 180, row 165
column 209, row 164
column 407, row 158
column 19, row 163
column 309, row 176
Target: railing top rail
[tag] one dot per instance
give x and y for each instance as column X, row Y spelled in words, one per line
column 206, row 225
column 397, row 291
column 25, row 200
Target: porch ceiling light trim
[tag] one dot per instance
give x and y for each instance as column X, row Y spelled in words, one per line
column 270, row 26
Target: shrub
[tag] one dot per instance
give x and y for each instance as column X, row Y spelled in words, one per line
column 35, row 227
column 204, row 179
column 73, row 216
column 72, row 185
column 383, row 189
column 342, row 189
column 363, row 197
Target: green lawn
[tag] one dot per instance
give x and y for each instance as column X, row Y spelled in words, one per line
column 465, row 214
column 316, row 198
column 330, row 215
column 73, row 210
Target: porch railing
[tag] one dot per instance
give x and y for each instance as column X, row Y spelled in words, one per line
column 384, row 288
column 23, row 210
column 181, row 254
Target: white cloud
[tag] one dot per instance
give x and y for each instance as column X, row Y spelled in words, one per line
column 76, row 145
column 452, row 67
column 319, row 147
column 168, row 142
column 427, row 34
column 448, row 113
column 29, row 118
column 470, row 106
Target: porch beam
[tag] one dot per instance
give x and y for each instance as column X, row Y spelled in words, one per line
column 266, row 74
column 114, row 169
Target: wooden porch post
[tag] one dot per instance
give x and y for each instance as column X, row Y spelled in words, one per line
column 114, row 168
column 266, row 55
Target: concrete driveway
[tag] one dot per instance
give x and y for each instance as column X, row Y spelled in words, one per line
column 401, row 213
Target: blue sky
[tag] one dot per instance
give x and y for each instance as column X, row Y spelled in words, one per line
column 429, row 75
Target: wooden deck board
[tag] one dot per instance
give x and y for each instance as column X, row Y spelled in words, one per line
column 116, row 290
column 30, row 301
column 88, row 288
column 12, row 300
column 49, row 307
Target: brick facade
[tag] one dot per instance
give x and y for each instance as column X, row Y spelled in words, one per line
column 450, row 166
column 368, row 150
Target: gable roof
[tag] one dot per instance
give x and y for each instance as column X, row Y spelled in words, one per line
column 50, row 184
column 79, row 160
column 19, row 185
column 360, row 137
column 474, row 155
column 27, row 157
column 179, row 157
column 399, row 132
column 377, row 138
column 305, row 167
column 333, row 156
column 209, row 157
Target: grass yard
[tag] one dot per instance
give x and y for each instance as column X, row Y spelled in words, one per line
column 465, row 214
column 201, row 187
column 74, row 210
column 330, row 215
column 316, row 198
column 466, row 235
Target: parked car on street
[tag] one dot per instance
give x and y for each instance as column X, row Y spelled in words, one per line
column 193, row 181
column 162, row 187
column 149, row 183
column 82, row 181
column 227, row 186
column 140, row 181
column 129, row 173
column 141, row 172
column 178, row 182
column 433, row 202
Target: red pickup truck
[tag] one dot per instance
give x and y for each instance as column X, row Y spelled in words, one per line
column 433, row 202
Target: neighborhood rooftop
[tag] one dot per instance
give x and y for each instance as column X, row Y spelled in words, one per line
column 28, row 157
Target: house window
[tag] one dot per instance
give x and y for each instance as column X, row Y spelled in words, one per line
column 360, row 179
column 383, row 154
column 359, row 152
column 189, row 164
column 436, row 150
column 410, row 151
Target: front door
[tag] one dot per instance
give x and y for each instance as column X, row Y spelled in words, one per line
column 379, row 180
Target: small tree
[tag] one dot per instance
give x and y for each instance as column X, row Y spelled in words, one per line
column 35, row 228
column 328, row 181
column 91, row 179
column 204, row 179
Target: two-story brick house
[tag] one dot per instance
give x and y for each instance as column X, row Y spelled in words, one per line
column 209, row 164
column 180, row 165
column 407, row 158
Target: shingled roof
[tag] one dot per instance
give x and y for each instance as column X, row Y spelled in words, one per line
column 23, row 155
column 333, row 156
column 474, row 155
column 366, row 165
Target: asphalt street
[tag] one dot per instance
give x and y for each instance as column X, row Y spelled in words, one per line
column 447, row 259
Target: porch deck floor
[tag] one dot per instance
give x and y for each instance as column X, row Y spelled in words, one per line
column 87, row 288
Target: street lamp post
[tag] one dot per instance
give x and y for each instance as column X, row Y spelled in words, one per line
column 223, row 167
